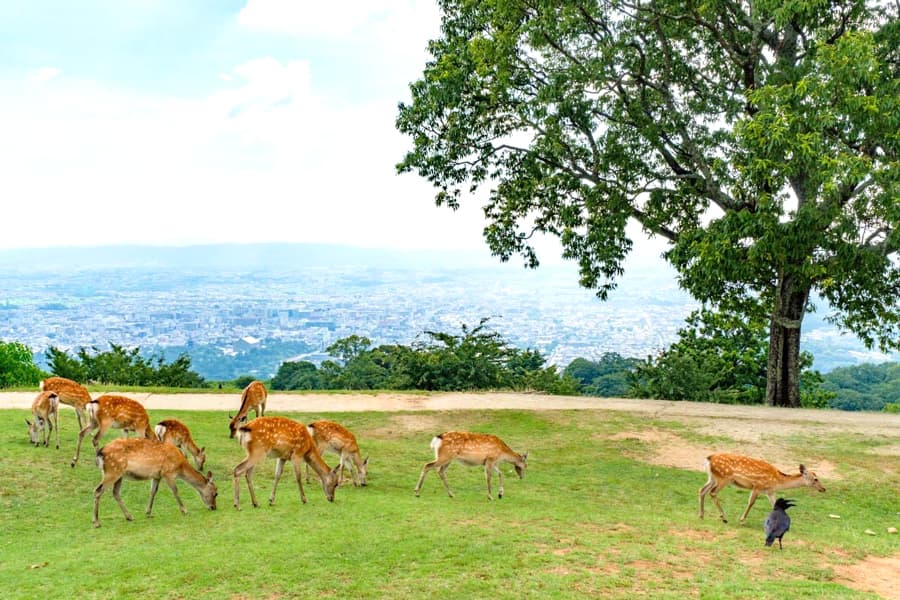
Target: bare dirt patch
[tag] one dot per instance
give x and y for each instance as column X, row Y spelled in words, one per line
column 874, row 574
column 671, row 450
column 408, row 423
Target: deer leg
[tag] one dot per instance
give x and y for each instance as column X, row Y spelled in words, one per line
column 81, row 435
column 96, row 439
column 425, row 469
column 753, row 495
column 298, row 468
column 154, row 486
column 714, row 494
column 56, row 426
column 98, row 491
column 117, row 494
column 170, row 481
column 487, row 478
column 500, row 477
column 710, row 484
column 443, row 476
column 279, row 467
column 245, row 467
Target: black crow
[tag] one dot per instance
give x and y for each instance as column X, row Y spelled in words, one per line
column 778, row 522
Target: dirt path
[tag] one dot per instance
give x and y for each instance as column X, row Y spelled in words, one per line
column 755, row 416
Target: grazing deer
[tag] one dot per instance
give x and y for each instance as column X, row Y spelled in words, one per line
column 752, row 474
column 71, row 393
column 140, row 459
column 177, row 433
column 337, row 439
column 45, row 411
column 282, row 439
column 253, row 397
column 472, row 449
column 113, row 411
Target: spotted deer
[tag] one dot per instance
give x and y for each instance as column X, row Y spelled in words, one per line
column 282, row 439
column 752, row 474
column 337, row 439
column 141, row 459
column 114, row 411
column 253, row 397
column 177, row 433
column 45, row 412
column 70, row 393
column 472, row 449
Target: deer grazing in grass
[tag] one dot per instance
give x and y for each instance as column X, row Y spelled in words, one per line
column 71, row 393
column 177, row 433
column 284, row 440
column 253, row 397
column 141, row 459
column 337, row 439
column 752, row 474
column 113, row 411
column 45, row 412
column 472, row 449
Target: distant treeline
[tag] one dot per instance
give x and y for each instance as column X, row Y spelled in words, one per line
column 714, row 360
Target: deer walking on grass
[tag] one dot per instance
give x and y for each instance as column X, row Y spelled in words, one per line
column 472, row 449
column 752, row 474
column 333, row 437
column 70, row 393
column 284, row 440
column 177, row 433
column 141, row 459
column 45, row 412
column 114, row 411
column 252, row 398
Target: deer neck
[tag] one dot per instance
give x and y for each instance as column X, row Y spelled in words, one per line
column 314, row 459
column 191, row 475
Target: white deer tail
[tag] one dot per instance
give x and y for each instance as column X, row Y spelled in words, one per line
column 436, row 442
column 243, row 436
column 92, row 407
column 41, row 385
column 160, row 431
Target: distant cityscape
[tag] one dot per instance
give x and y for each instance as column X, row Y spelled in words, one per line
column 247, row 312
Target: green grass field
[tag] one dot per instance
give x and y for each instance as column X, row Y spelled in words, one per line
column 590, row 519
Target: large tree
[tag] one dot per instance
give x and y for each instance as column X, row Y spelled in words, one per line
column 759, row 139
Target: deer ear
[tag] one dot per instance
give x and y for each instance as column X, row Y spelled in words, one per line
column 525, row 456
column 209, row 477
column 366, row 462
column 27, row 422
column 802, row 469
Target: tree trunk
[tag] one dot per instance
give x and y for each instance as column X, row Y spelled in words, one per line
column 783, row 373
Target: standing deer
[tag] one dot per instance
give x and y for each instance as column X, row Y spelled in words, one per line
column 282, row 439
column 113, row 411
column 253, row 397
column 337, row 439
column 45, row 412
column 141, row 459
column 177, row 433
column 752, row 474
column 71, row 393
column 472, row 449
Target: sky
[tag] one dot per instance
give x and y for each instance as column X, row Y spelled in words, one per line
column 168, row 122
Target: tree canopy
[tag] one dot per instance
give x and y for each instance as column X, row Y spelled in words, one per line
column 17, row 366
column 123, row 366
column 760, row 140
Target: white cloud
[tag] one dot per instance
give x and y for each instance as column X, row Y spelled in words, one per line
column 337, row 18
column 260, row 158
column 44, row 74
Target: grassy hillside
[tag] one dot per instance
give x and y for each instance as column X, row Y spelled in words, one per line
column 593, row 517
